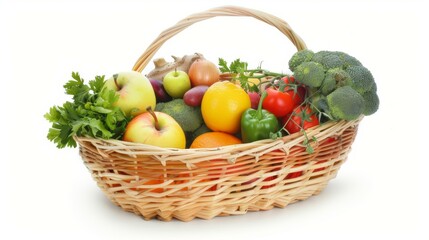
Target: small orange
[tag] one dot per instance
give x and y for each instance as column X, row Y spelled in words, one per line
column 214, row 139
column 217, row 166
column 222, row 106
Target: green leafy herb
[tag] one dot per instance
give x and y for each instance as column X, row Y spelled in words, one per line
column 239, row 71
column 237, row 66
column 91, row 113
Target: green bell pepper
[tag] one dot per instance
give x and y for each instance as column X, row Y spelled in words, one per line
column 258, row 124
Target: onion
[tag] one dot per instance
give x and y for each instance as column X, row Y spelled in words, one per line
column 203, row 72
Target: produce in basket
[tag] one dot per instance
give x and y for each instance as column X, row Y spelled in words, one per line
column 163, row 67
column 280, row 152
column 134, row 90
column 155, row 128
column 176, row 83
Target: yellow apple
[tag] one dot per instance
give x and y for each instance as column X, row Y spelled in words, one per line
column 155, row 128
column 135, row 92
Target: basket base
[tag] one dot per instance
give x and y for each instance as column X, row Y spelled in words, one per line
column 209, row 211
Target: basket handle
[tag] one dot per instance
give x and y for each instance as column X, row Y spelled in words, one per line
column 280, row 24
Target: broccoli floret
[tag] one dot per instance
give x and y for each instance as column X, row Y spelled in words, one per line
column 300, row 57
column 361, row 79
column 374, row 87
column 202, row 129
column 328, row 84
column 345, row 103
column 334, row 78
column 318, row 102
column 159, row 106
column 328, row 59
column 310, row 74
column 338, row 83
column 371, row 102
column 348, row 60
column 189, row 118
column 335, row 59
column 190, row 136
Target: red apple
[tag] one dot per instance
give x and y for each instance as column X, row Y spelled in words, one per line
column 155, row 128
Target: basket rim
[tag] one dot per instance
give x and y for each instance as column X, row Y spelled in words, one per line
column 230, row 152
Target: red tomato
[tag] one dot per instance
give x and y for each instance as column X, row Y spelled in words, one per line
column 298, row 96
column 301, row 118
column 278, row 103
column 289, row 79
column 297, row 91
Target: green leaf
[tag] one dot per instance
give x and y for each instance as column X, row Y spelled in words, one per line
column 253, row 88
column 96, row 126
column 223, row 65
column 69, row 111
column 53, row 115
column 238, row 66
column 91, row 113
column 77, row 88
column 101, row 109
column 97, row 84
column 111, row 121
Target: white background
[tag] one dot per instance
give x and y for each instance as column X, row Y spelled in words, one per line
column 47, row 193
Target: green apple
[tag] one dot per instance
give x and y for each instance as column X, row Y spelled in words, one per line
column 135, row 92
column 176, row 83
column 155, row 128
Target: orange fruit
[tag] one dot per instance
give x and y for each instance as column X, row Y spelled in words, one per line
column 214, row 139
column 222, row 106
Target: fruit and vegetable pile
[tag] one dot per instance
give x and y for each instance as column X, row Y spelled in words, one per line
column 194, row 103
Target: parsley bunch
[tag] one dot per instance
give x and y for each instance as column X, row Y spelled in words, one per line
column 91, row 113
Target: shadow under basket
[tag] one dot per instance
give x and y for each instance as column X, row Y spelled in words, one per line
column 204, row 183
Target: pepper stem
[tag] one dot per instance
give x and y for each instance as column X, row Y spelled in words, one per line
column 149, row 110
column 259, row 110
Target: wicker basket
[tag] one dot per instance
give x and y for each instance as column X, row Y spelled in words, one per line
column 204, row 183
